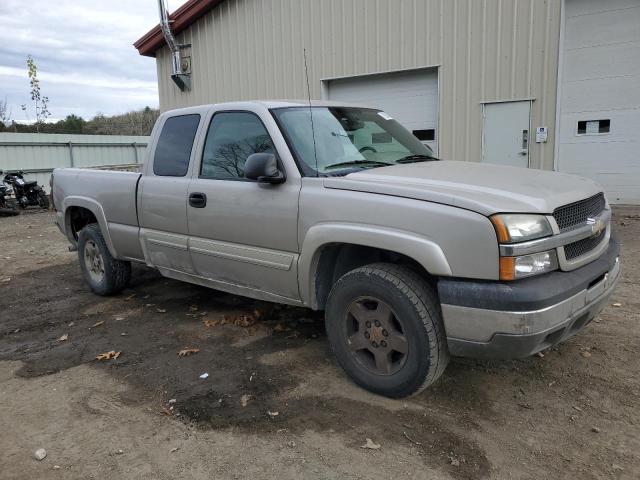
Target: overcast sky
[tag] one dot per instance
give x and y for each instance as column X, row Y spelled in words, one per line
column 86, row 61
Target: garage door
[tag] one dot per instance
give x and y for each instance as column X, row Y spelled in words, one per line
column 600, row 95
column 411, row 97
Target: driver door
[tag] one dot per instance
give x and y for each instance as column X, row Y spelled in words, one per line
column 242, row 234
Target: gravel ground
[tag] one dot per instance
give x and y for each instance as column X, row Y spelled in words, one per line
column 275, row 404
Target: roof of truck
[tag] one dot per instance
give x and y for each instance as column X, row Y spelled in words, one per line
column 265, row 103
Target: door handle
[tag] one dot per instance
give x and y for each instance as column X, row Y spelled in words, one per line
column 197, row 200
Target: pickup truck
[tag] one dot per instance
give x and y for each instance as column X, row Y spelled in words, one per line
column 339, row 208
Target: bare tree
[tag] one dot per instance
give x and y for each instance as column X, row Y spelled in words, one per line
column 40, row 102
column 5, row 114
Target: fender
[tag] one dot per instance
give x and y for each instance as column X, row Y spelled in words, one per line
column 421, row 249
column 95, row 208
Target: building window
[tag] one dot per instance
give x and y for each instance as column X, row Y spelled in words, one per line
column 231, row 138
column 428, row 135
column 594, row 127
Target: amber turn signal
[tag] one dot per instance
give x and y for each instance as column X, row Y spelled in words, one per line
column 501, row 229
column 507, row 268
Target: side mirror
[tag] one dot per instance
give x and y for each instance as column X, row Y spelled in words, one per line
column 263, row 167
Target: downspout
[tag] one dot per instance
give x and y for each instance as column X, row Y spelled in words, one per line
column 181, row 79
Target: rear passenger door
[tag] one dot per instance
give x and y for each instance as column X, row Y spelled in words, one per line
column 163, row 196
column 245, row 235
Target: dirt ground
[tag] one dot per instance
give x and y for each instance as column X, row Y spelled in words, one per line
column 275, row 405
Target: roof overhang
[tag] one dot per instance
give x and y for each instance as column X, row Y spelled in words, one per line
column 182, row 18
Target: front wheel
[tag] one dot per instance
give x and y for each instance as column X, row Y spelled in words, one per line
column 384, row 325
column 104, row 274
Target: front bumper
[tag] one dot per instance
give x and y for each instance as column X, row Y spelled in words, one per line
column 518, row 319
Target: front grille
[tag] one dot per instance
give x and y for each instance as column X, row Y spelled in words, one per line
column 584, row 246
column 576, row 214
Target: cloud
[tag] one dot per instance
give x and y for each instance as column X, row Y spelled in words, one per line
column 86, row 61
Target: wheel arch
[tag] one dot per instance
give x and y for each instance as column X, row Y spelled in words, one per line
column 80, row 211
column 330, row 250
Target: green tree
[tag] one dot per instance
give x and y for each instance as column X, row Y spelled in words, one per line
column 40, row 102
column 71, row 124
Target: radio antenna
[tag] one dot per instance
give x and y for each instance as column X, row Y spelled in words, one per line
column 313, row 131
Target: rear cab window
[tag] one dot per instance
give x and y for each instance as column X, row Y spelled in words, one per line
column 173, row 150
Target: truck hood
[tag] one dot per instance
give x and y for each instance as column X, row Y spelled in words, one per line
column 481, row 187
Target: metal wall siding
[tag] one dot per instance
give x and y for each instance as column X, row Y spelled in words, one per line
column 40, row 152
column 487, row 50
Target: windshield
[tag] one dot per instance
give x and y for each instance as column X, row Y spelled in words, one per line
column 347, row 139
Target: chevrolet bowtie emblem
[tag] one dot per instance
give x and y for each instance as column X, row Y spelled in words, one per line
column 597, row 225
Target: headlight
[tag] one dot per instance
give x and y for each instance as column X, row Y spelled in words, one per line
column 513, row 268
column 518, row 227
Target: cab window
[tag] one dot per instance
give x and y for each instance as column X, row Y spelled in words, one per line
column 231, row 138
column 173, row 149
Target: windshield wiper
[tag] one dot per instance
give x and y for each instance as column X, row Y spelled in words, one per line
column 357, row 162
column 416, row 158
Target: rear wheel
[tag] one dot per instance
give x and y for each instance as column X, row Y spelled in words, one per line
column 384, row 325
column 104, row 274
column 43, row 200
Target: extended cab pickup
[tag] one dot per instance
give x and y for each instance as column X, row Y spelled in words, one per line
column 339, row 208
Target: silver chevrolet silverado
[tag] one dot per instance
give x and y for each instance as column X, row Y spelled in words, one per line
column 339, row 208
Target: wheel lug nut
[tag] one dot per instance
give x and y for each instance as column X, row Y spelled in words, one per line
column 383, row 343
column 377, row 323
column 368, row 324
column 385, row 333
column 375, row 345
column 366, row 335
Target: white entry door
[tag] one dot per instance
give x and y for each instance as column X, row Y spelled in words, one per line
column 505, row 138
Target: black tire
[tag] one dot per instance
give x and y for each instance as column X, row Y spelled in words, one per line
column 110, row 275
column 415, row 323
column 43, row 200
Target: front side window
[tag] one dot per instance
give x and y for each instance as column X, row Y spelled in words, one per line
column 347, row 139
column 231, row 138
column 173, row 150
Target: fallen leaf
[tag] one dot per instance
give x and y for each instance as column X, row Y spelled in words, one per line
column 616, row 304
column 64, row 338
column 97, row 324
column 272, row 414
column 371, row 445
column 108, row 355
column 585, row 354
column 245, row 321
column 204, row 375
column 174, row 449
column 211, row 322
column 244, row 400
column 119, row 319
column 185, row 352
column 166, row 411
column 161, row 310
